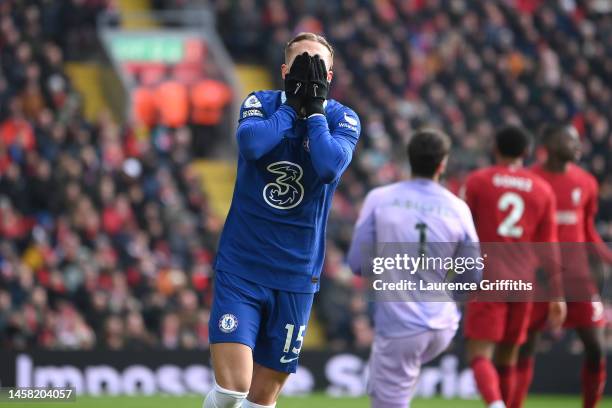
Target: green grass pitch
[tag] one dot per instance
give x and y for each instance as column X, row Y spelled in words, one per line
column 313, row 401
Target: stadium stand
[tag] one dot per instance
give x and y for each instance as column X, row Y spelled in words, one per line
column 106, row 238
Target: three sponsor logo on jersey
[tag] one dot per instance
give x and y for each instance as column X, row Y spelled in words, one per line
column 287, row 191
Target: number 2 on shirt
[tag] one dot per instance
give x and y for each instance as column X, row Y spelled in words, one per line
column 513, row 202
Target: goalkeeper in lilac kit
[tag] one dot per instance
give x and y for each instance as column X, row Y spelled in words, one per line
column 419, row 216
column 294, row 146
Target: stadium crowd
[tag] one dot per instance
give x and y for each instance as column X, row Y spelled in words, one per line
column 106, row 239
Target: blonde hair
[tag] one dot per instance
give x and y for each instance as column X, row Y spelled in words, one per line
column 305, row 36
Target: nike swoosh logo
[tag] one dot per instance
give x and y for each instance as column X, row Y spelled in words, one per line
column 285, row 360
column 297, row 88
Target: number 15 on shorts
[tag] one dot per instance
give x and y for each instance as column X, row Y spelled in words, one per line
column 289, row 340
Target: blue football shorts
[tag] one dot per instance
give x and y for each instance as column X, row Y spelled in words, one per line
column 271, row 322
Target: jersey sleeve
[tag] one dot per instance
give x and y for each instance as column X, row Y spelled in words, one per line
column 549, row 254
column 259, row 133
column 251, row 108
column 364, row 236
column 547, row 225
column 331, row 152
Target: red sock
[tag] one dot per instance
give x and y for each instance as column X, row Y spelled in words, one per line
column 524, row 376
column 507, row 382
column 487, row 379
column 593, row 383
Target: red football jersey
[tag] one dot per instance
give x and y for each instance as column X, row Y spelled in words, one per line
column 576, row 194
column 511, row 205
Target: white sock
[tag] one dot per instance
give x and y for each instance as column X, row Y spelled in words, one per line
column 248, row 404
column 219, row 397
column 497, row 404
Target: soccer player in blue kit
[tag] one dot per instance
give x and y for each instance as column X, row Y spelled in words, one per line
column 294, row 146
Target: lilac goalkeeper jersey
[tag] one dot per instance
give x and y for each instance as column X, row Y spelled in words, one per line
column 414, row 212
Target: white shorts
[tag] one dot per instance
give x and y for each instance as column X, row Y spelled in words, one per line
column 395, row 364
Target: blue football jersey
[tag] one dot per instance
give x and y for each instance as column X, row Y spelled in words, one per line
column 288, row 170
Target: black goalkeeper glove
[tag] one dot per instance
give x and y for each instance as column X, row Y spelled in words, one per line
column 296, row 82
column 318, row 87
